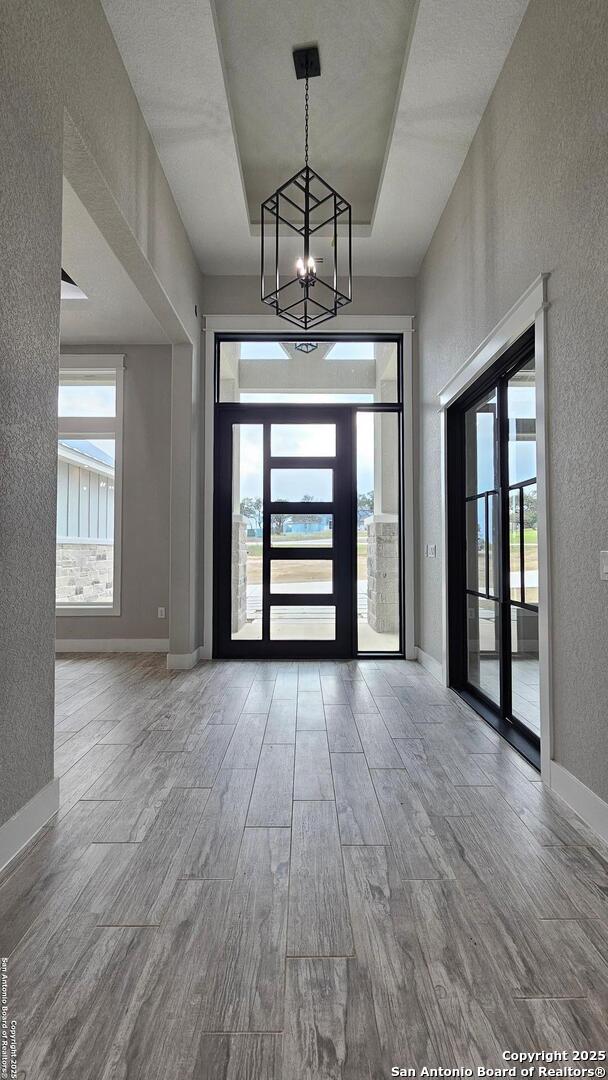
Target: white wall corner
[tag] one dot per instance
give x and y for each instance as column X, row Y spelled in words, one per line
column 431, row 665
column 112, row 645
column 589, row 806
column 23, row 826
column 184, row 661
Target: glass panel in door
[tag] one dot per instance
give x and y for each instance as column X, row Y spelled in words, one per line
column 247, row 513
column 523, row 536
column 378, row 532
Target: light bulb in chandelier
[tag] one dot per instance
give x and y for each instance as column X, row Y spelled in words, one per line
column 306, row 271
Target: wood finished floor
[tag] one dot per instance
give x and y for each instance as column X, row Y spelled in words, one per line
column 274, row 871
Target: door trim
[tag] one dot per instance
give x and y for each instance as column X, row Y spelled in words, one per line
column 530, row 310
column 342, row 327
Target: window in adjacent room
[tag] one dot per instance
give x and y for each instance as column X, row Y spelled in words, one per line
column 89, row 463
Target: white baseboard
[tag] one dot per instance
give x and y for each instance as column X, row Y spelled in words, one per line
column 184, row 661
column 134, row 645
column 588, row 805
column 23, row 826
column 430, row 664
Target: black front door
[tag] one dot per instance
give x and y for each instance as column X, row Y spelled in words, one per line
column 285, row 531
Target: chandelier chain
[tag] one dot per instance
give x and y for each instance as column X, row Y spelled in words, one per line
column 306, row 124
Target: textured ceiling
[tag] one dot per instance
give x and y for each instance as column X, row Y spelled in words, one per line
column 362, row 49
column 218, row 93
column 114, row 312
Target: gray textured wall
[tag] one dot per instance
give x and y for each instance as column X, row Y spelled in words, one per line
column 145, row 499
column 56, row 56
column 240, row 295
column 30, row 251
column 532, row 197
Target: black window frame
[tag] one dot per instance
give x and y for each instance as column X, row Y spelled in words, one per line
column 246, row 412
column 501, row 716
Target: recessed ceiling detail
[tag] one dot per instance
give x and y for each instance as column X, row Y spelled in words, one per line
column 427, row 82
column 352, row 104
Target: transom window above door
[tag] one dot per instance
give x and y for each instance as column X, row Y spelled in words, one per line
column 255, row 370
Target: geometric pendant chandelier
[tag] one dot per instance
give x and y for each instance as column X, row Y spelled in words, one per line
column 306, row 250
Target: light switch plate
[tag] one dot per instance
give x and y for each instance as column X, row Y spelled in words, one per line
column 604, row 565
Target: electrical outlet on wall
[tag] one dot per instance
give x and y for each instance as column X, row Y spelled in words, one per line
column 604, row 565
column 432, row 551
column 162, row 613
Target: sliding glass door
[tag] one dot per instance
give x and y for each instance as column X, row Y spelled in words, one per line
column 493, row 548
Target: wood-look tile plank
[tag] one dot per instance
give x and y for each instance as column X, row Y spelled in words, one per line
column 286, row 686
column 131, row 819
column 231, row 704
column 273, row 789
column 308, row 677
column 239, row 1057
column 198, row 768
column 435, row 714
column 430, row 779
column 310, row 711
column 244, row 748
column 216, row 843
column 388, row 951
column 319, row 921
column 52, row 874
column 157, row 1037
column 583, row 1020
column 142, row 897
column 480, row 1018
column 377, row 682
column 583, row 875
column 544, row 1024
column 73, row 750
column 417, row 849
column 460, row 767
column 80, row 1025
column 187, row 731
column 424, row 692
column 448, row 738
column 333, row 690
column 342, row 734
column 378, row 747
column 359, row 697
column 359, row 814
column 128, row 772
column 110, row 865
column 62, row 737
column 512, row 870
column 331, row 1032
column 538, row 808
column 281, row 725
column 259, row 698
column 245, row 991
column 78, row 781
column 313, row 778
column 398, row 720
column 40, row 964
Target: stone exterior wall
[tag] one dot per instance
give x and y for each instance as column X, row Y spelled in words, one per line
column 85, row 572
column 239, row 573
column 383, row 576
